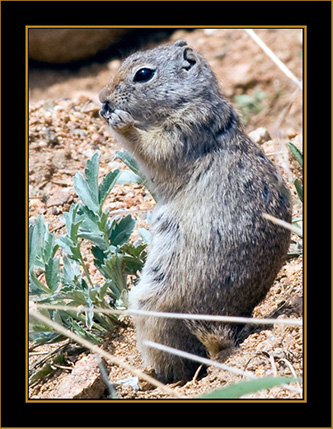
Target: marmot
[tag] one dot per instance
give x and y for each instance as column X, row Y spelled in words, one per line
column 212, row 252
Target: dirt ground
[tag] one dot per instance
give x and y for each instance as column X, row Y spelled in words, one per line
column 65, row 130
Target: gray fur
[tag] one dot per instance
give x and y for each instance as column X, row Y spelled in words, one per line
column 212, row 252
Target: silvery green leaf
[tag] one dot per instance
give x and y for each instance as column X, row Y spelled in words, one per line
column 70, row 272
column 99, row 256
column 49, row 246
column 113, row 269
column 65, row 243
column 37, row 287
column 72, row 250
column 45, row 337
column 85, row 193
column 297, row 153
column 56, row 317
column 52, row 274
column 33, row 245
column 84, row 334
column 299, row 189
column 145, row 235
column 72, row 221
column 107, row 184
column 122, row 231
column 39, row 375
column 89, row 220
column 128, row 177
column 102, row 291
column 89, row 315
column 132, row 164
column 95, row 238
column 91, row 172
column 38, row 232
column 129, row 160
column 239, row 389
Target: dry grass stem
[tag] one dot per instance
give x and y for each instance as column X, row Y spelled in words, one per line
column 273, row 57
column 199, row 359
column 123, row 212
column 102, row 353
column 280, row 222
column 110, row 387
column 292, row 370
column 272, row 361
column 222, row 366
column 284, row 112
column 213, row 318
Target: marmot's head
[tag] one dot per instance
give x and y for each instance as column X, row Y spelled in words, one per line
column 153, row 84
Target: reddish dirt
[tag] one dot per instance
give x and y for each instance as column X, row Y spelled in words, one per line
column 65, row 130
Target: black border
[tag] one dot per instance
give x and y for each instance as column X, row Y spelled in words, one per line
column 316, row 15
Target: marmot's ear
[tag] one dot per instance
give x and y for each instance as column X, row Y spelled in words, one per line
column 189, row 58
column 180, row 43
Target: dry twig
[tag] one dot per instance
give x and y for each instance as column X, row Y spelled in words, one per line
column 273, row 57
column 214, row 318
column 100, row 352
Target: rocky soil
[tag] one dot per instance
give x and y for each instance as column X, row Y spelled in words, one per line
column 65, row 130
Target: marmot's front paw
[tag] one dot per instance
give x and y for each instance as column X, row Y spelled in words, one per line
column 120, row 119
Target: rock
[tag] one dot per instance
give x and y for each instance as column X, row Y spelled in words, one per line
column 50, row 136
column 64, row 45
column 60, row 197
column 260, row 135
column 241, row 76
column 84, row 382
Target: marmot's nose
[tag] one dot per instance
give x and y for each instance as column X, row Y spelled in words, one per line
column 106, row 110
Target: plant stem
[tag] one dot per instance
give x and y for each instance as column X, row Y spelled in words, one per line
column 86, row 272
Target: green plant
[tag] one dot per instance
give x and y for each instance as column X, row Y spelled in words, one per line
column 299, row 158
column 296, row 246
column 134, row 175
column 250, row 104
column 46, row 368
column 245, row 387
column 58, row 273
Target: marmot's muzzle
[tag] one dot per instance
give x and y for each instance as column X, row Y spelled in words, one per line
column 106, row 110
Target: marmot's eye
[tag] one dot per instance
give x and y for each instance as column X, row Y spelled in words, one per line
column 143, row 75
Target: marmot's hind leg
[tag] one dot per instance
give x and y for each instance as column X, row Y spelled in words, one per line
column 172, row 333
column 218, row 338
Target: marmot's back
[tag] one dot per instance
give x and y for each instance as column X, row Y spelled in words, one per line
column 212, row 252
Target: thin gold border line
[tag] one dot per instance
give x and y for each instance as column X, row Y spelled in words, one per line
column 241, row 27
column 304, row 399
column 27, row 208
column 331, row 216
column 305, row 202
column 305, row 212
column 0, row 216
